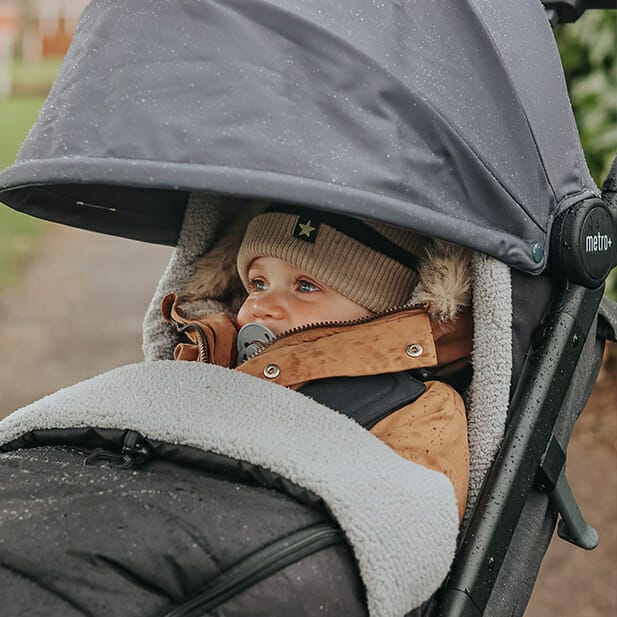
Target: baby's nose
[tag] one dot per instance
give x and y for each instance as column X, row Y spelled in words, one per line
column 269, row 305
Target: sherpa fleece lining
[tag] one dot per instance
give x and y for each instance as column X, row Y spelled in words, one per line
column 489, row 395
column 400, row 518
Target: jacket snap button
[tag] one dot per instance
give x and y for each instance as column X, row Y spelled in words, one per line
column 272, row 371
column 414, row 350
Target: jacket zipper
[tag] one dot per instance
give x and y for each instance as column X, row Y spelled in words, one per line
column 258, row 566
column 334, row 324
column 135, row 451
column 204, row 354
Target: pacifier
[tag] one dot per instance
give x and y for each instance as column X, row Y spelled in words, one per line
column 252, row 338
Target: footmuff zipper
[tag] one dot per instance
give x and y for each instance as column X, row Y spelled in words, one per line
column 258, row 566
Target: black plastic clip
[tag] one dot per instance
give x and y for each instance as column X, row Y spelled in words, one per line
column 551, row 477
column 135, row 452
column 136, row 448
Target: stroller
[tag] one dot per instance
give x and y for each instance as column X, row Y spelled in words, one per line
column 165, row 121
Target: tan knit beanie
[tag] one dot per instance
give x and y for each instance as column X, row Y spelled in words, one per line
column 373, row 264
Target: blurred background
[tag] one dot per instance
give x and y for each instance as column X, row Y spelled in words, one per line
column 72, row 302
column 34, row 36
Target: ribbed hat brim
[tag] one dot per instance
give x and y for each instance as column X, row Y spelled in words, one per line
column 365, row 276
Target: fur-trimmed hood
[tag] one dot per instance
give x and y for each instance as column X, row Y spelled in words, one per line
column 443, row 288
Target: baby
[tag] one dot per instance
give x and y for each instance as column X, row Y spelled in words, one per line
column 331, row 296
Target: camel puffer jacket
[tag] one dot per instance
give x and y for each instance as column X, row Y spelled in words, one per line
column 431, row 431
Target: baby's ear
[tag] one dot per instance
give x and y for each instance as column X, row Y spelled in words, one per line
column 445, row 280
column 215, row 281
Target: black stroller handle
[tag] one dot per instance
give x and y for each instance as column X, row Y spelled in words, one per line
column 569, row 11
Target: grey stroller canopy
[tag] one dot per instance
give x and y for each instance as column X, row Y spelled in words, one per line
column 451, row 118
column 448, row 118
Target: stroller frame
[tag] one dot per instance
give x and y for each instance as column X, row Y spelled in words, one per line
column 529, row 446
column 531, row 459
column 532, row 455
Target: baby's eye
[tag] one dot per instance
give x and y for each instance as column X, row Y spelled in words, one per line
column 257, row 285
column 307, row 286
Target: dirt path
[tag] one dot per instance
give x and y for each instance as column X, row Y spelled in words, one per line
column 77, row 312
column 574, row 582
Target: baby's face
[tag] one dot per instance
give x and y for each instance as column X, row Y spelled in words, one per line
column 282, row 297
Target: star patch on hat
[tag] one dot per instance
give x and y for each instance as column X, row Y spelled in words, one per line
column 306, row 229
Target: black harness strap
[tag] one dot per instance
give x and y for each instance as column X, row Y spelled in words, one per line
column 367, row 400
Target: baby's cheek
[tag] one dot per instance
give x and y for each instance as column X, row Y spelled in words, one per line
column 305, row 315
column 243, row 316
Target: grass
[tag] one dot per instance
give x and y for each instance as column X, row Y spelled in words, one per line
column 18, row 232
column 35, row 78
column 17, row 115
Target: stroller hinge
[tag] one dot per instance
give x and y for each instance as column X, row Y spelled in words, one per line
column 551, row 477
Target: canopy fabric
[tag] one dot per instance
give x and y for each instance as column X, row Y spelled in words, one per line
column 450, row 118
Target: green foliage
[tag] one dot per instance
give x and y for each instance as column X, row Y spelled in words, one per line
column 18, row 232
column 35, row 78
column 611, row 285
column 17, row 115
column 588, row 54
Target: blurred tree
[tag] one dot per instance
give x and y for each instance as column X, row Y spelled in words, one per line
column 589, row 55
column 27, row 13
column 590, row 62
